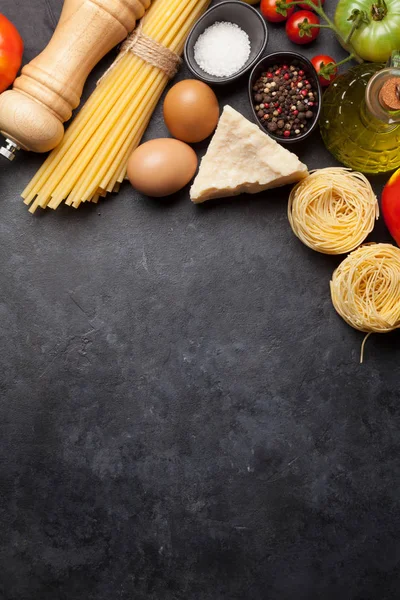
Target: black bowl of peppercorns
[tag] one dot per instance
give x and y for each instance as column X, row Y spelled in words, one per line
column 285, row 96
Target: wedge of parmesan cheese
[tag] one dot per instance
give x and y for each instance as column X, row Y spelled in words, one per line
column 243, row 159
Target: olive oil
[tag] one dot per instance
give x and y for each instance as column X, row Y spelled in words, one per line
column 357, row 128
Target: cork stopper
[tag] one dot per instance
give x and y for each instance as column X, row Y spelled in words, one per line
column 389, row 95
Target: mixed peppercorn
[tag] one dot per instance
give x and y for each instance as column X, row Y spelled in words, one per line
column 285, row 101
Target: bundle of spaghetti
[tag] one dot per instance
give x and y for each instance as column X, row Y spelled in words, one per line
column 333, row 210
column 365, row 289
column 91, row 160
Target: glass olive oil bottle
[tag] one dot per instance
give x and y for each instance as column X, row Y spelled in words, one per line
column 360, row 117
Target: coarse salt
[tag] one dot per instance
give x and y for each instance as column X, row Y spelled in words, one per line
column 223, row 49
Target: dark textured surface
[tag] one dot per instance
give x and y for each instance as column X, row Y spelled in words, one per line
column 183, row 415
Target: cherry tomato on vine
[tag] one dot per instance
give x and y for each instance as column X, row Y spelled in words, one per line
column 325, row 67
column 273, row 13
column 305, row 6
column 300, row 27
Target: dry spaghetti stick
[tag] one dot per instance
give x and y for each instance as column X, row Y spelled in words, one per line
column 95, row 146
column 109, row 181
column 75, row 159
column 100, row 152
column 102, row 166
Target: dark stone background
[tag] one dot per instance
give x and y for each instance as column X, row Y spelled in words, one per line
column 183, row 414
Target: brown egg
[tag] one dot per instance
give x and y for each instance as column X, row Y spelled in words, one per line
column 191, row 111
column 161, row 167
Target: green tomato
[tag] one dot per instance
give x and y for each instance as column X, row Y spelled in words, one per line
column 376, row 23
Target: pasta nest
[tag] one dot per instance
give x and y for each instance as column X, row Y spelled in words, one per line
column 333, row 210
column 365, row 288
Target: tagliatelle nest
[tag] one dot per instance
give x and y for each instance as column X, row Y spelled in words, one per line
column 365, row 288
column 333, row 210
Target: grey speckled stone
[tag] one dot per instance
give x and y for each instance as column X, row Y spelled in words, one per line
column 183, row 415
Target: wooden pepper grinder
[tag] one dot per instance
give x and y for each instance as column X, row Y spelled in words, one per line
column 50, row 86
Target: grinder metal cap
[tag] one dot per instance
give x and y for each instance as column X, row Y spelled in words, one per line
column 9, row 150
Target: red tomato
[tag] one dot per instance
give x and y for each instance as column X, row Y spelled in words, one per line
column 271, row 13
column 325, row 67
column 305, row 6
column 391, row 205
column 300, row 27
column 11, row 50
